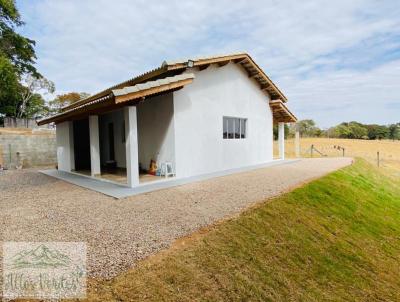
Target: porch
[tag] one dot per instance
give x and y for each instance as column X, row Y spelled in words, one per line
column 117, row 190
column 130, row 146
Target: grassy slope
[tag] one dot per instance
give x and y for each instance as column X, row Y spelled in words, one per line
column 336, row 238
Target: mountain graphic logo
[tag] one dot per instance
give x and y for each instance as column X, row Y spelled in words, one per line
column 40, row 257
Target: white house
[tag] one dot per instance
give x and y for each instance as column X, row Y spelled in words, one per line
column 198, row 117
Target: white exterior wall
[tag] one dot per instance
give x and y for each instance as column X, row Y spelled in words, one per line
column 156, row 134
column 198, row 113
column 65, row 146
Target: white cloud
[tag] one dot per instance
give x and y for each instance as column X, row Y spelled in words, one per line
column 368, row 97
column 90, row 45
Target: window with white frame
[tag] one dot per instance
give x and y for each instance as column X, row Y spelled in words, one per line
column 234, row 127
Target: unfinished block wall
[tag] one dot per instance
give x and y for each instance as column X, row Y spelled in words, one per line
column 35, row 147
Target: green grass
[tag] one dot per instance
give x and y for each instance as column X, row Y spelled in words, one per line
column 335, row 239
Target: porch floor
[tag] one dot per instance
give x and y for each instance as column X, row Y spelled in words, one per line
column 119, row 175
column 116, row 190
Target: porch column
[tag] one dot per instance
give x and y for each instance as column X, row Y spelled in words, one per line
column 94, row 145
column 281, row 140
column 71, row 144
column 65, row 146
column 131, row 145
column 297, row 141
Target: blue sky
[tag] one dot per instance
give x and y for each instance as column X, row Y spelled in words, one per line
column 335, row 60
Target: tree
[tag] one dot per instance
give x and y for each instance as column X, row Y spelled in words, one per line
column 357, row 130
column 342, row 131
column 32, row 87
column 20, row 81
column 377, row 131
column 36, row 107
column 308, row 128
column 18, row 49
column 9, row 88
column 394, row 131
column 66, row 99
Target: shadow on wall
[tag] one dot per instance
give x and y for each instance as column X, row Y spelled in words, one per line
column 156, row 137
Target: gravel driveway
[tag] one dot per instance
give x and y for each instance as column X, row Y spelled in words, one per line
column 35, row 207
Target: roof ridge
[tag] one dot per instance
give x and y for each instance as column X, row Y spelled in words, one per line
column 151, row 84
column 165, row 67
column 198, row 58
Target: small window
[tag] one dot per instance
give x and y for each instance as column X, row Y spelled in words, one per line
column 234, row 128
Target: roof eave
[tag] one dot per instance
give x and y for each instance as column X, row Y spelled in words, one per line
column 158, row 87
column 237, row 58
column 281, row 112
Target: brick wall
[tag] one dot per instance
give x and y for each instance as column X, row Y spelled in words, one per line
column 35, row 147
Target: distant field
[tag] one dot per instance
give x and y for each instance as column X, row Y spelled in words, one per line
column 367, row 149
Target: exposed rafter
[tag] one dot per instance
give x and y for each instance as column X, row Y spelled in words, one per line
column 205, row 66
column 281, row 113
column 223, row 63
column 243, row 59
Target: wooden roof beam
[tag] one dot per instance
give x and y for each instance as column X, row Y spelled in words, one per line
column 223, row 63
column 253, row 74
column 239, row 60
column 280, row 112
column 203, row 67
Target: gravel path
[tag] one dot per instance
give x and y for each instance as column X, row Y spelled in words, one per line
column 35, row 207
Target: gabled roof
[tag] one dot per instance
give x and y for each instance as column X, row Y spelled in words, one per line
column 168, row 71
column 253, row 70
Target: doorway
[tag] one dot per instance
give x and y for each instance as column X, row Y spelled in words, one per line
column 81, row 145
column 111, row 141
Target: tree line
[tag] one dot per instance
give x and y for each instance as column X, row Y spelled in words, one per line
column 22, row 87
column 351, row 130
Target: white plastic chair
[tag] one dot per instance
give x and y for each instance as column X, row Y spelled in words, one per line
column 167, row 169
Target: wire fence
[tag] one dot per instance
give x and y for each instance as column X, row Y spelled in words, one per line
column 384, row 153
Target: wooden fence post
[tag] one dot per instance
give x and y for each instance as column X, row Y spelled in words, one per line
column 377, row 155
column 312, row 150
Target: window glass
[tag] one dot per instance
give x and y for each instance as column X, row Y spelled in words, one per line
column 231, row 127
column 234, row 127
column 237, row 127
column 225, row 127
column 242, row 128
